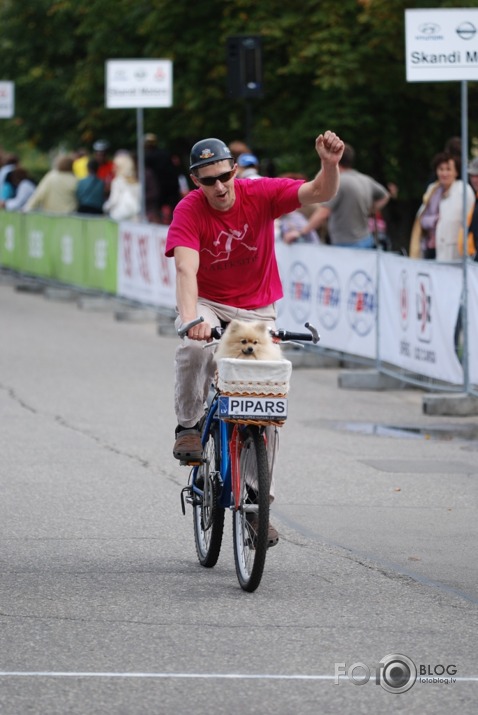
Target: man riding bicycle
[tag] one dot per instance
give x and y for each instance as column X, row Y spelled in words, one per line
column 222, row 240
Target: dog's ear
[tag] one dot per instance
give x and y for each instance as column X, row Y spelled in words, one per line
column 262, row 326
column 233, row 326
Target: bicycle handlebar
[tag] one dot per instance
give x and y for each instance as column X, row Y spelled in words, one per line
column 282, row 335
column 184, row 330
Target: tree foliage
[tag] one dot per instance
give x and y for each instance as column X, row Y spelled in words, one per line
column 327, row 64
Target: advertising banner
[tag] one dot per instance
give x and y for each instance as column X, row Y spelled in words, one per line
column 101, row 247
column 342, row 292
column 11, row 232
column 35, row 249
column 66, row 245
column 419, row 304
column 472, row 280
column 144, row 273
column 335, row 289
column 166, row 270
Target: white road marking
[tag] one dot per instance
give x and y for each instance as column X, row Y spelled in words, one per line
column 203, row 676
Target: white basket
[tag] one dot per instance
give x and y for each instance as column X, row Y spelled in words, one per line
column 253, row 377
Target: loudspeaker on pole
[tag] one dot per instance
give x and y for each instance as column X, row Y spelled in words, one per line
column 244, row 67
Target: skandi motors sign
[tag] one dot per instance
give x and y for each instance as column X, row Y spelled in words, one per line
column 441, row 44
column 139, row 83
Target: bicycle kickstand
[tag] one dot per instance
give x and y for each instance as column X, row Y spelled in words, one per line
column 187, row 499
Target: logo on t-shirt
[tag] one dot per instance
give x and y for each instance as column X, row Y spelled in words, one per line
column 226, row 242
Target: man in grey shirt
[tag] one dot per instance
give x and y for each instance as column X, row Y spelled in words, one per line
column 348, row 213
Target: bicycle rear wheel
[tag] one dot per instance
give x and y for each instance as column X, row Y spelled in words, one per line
column 208, row 515
column 251, row 514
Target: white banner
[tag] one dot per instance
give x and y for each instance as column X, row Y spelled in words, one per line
column 419, row 303
column 472, row 280
column 144, row 272
column 335, row 290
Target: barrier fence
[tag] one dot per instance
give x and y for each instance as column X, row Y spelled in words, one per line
column 403, row 315
column 73, row 250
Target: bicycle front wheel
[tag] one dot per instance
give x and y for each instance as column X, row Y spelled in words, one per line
column 208, row 515
column 251, row 513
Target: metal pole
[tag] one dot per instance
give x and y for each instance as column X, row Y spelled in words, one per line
column 141, row 175
column 377, row 310
column 249, row 125
column 464, row 177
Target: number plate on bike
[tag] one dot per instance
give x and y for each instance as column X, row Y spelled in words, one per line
column 250, row 407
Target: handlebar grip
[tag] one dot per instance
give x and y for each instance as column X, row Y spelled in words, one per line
column 184, row 330
column 315, row 334
column 286, row 335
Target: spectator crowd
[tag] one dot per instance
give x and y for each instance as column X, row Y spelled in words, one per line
column 99, row 182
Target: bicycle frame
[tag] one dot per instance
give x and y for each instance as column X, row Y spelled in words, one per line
column 225, row 430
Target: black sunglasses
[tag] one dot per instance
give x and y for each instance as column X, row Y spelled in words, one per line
column 211, row 180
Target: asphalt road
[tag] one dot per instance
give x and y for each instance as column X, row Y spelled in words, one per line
column 103, row 606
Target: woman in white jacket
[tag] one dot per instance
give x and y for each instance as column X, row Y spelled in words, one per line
column 440, row 217
column 124, row 202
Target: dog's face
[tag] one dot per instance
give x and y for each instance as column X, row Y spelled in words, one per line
column 248, row 340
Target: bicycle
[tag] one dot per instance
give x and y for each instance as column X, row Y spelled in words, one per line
column 234, row 472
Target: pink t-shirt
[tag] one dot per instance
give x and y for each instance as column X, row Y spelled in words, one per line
column 237, row 264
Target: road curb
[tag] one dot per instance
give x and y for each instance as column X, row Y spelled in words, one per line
column 456, row 405
column 368, row 380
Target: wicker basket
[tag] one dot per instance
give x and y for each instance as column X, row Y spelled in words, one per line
column 254, row 378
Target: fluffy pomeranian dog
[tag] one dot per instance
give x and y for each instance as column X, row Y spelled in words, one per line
column 248, row 341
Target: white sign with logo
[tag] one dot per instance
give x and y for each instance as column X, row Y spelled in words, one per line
column 139, row 83
column 419, row 303
column 441, row 44
column 7, row 100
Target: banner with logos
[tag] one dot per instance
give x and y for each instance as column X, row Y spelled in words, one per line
column 10, row 239
column 335, row 289
column 419, row 305
column 144, row 273
column 339, row 290
column 472, row 282
column 101, row 250
column 66, row 246
column 36, row 255
column 76, row 250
